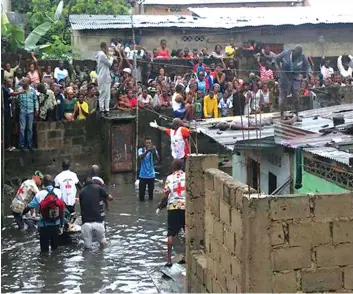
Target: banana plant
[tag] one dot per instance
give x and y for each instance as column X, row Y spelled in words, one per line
column 15, row 35
column 33, row 38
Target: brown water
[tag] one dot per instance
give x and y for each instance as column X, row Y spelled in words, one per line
column 137, row 248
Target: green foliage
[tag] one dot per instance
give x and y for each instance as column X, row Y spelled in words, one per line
column 48, row 21
column 34, row 37
column 114, row 7
column 59, row 49
column 21, row 6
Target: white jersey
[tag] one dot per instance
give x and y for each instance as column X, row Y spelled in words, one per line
column 175, row 186
column 177, row 144
column 67, row 181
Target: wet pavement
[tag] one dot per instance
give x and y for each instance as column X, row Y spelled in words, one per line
column 137, row 249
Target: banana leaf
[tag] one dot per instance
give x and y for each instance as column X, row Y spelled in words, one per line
column 4, row 24
column 33, row 38
column 58, row 11
column 17, row 37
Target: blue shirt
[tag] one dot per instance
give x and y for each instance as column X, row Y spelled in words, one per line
column 28, row 101
column 201, row 86
column 146, row 165
column 38, row 199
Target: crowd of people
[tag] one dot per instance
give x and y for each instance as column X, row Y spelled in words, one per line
column 208, row 87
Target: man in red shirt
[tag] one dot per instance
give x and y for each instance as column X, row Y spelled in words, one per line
column 179, row 136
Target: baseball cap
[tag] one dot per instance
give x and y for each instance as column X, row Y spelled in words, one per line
column 128, row 70
column 38, row 174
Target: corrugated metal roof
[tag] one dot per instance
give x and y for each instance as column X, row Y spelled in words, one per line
column 331, row 153
column 206, row 2
column 101, row 22
column 274, row 16
column 318, row 140
column 212, row 18
column 229, row 138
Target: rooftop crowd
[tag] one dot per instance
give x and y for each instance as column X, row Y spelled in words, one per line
column 197, row 90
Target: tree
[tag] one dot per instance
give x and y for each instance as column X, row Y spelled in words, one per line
column 52, row 32
column 115, row 7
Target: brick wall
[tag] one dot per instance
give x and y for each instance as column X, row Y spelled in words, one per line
column 247, row 243
column 78, row 141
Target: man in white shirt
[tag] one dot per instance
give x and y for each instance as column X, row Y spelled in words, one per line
column 104, row 62
column 60, row 73
column 68, row 183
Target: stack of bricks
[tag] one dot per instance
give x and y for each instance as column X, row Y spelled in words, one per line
column 258, row 243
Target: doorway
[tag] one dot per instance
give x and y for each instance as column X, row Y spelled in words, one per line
column 272, row 183
column 253, row 174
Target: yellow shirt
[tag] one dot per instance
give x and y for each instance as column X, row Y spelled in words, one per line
column 10, row 74
column 210, row 106
column 230, row 51
column 93, row 75
column 84, row 107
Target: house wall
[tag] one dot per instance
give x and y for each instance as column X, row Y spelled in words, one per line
column 338, row 38
column 314, row 184
column 275, row 161
column 282, row 244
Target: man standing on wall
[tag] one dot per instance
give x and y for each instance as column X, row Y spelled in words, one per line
column 147, row 174
column 291, row 64
column 104, row 62
column 179, row 138
column 28, row 110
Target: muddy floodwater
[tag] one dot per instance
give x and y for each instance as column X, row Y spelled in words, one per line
column 137, row 248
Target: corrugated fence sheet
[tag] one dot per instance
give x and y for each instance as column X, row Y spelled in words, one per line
column 331, row 153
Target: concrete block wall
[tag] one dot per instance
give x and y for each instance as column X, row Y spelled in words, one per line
column 295, row 243
column 79, row 141
column 312, row 243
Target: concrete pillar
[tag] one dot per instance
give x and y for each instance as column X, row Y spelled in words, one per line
column 195, row 201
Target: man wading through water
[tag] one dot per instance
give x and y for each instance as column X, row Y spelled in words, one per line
column 179, row 136
column 68, row 183
column 147, row 174
column 51, row 209
column 291, row 64
column 91, row 212
column 174, row 200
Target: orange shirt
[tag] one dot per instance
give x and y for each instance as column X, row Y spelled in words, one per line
column 186, row 134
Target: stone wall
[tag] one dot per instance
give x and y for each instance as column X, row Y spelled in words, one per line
column 78, row 141
column 246, row 243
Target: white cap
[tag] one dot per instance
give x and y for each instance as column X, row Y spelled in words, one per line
column 128, row 70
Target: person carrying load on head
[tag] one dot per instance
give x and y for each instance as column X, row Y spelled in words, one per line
column 23, row 196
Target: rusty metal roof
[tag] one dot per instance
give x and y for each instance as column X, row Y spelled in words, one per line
column 331, row 153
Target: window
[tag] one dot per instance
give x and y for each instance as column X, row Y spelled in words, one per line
column 328, row 172
column 272, row 183
column 193, row 38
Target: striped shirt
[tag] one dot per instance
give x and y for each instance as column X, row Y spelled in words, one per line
column 28, row 101
column 265, row 74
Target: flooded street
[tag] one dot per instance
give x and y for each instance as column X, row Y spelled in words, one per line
column 137, row 247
